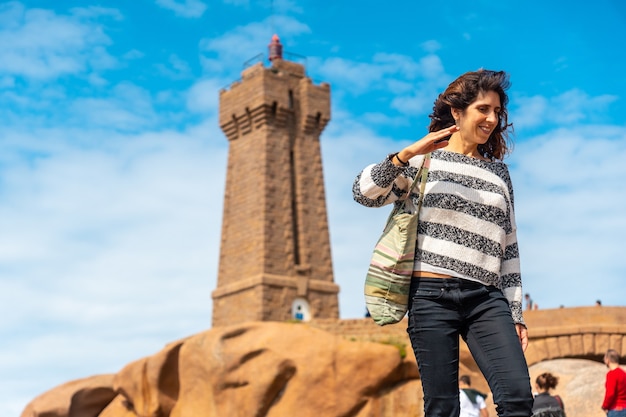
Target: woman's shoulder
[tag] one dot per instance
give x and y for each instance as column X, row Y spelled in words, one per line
column 546, row 400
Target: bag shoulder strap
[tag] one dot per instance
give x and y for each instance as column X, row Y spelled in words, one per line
column 420, row 177
column 423, row 177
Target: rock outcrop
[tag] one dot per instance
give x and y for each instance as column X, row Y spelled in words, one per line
column 82, row 397
column 253, row 369
column 270, row 369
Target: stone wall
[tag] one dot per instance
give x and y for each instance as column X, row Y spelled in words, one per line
column 579, row 332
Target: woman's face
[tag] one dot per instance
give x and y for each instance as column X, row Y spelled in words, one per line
column 479, row 119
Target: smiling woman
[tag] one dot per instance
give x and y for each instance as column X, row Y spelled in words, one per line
column 477, row 104
column 466, row 270
column 476, row 123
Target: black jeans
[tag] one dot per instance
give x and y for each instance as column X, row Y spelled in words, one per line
column 442, row 309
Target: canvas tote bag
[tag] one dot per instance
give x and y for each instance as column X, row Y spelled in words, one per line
column 389, row 274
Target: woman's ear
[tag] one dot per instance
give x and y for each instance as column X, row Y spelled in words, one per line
column 456, row 113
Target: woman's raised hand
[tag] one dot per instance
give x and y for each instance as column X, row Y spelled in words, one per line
column 430, row 142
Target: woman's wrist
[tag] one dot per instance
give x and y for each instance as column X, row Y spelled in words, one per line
column 403, row 162
column 396, row 159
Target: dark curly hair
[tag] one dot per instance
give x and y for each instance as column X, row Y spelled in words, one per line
column 465, row 90
column 547, row 381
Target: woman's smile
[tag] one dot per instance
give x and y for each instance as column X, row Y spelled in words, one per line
column 478, row 121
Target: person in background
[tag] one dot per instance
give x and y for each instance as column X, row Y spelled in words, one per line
column 544, row 400
column 466, row 279
column 472, row 401
column 529, row 302
column 614, row 403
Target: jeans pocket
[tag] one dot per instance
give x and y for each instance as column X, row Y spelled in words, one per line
column 428, row 293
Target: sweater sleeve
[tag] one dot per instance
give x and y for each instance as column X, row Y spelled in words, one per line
column 610, row 394
column 383, row 183
column 511, row 278
column 510, row 270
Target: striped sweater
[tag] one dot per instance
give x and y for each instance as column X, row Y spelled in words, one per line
column 467, row 221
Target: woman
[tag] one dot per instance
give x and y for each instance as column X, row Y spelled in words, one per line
column 543, row 400
column 466, row 278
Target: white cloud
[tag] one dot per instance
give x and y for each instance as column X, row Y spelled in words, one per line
column 569, row 108
column 419, row 102
column 175, row 69
column 69, row 45
column 431, row 46
column 184, row 8
column 108, row 251
column 203, row 96
column 276, row 7
column 128, row 108
column 96, row 12
column 133, row 54
column 529, row 111
column 410, row 84
column 383, row 119
column 432, row 69
column 7, row 82
column 354, row 229
column 356, row 77
column 287, row 26
column 241, row 44
column 569, row 196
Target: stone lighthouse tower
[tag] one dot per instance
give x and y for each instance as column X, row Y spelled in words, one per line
column 275, row 261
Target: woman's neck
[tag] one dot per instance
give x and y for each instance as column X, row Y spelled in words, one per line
column 458, row 145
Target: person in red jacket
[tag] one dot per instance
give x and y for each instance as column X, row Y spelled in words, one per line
column 615, row 397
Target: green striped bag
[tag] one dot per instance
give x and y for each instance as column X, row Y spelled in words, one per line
column 388, row 278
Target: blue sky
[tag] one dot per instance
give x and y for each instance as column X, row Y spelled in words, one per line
column 113, row 165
